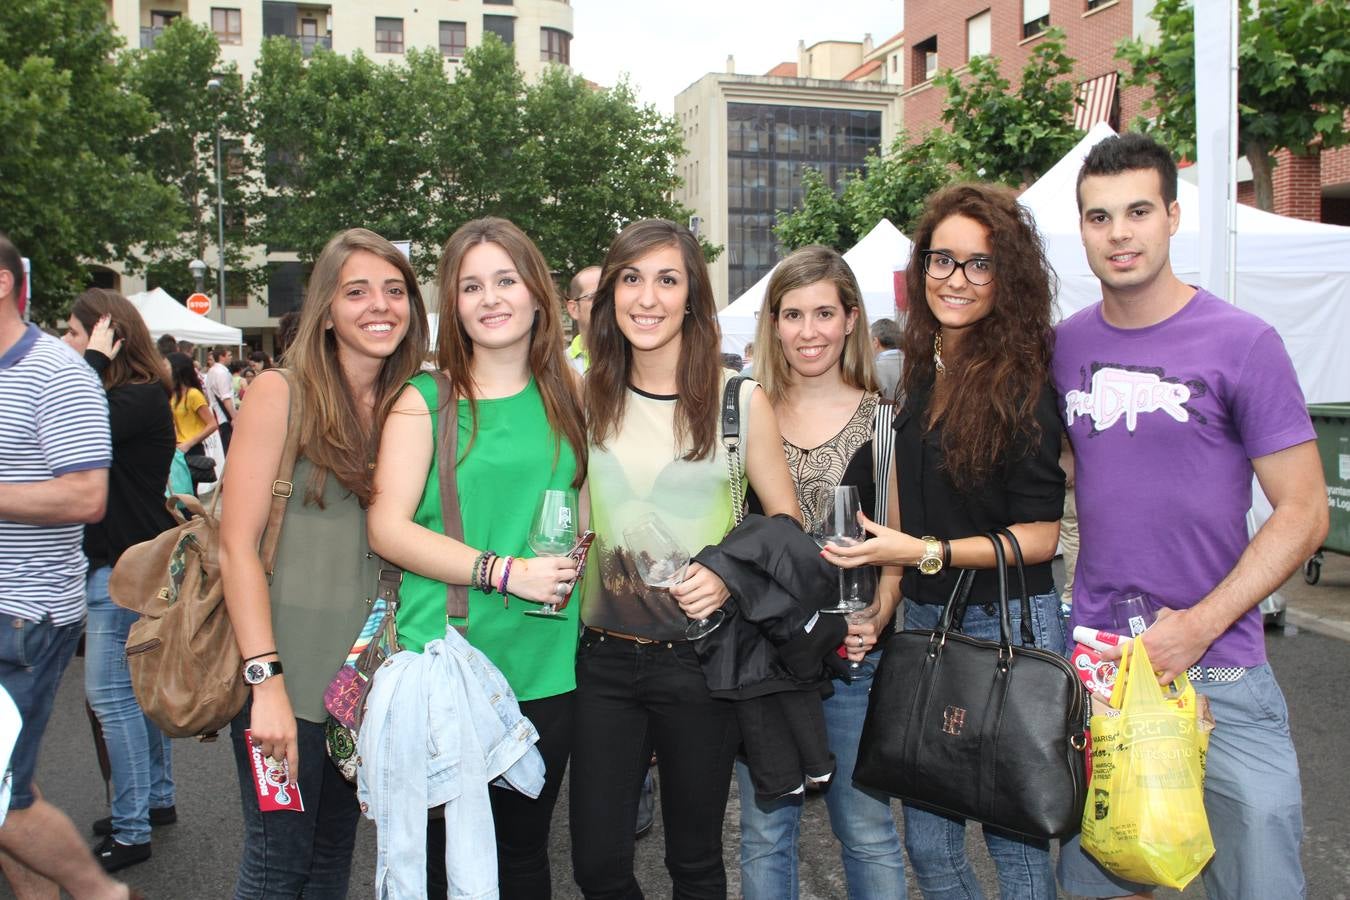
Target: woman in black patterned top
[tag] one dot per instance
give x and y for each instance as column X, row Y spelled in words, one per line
column 814, row 360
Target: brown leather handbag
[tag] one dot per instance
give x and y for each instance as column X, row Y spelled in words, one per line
column 181, row 654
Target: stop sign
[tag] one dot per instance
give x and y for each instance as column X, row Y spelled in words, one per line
column 199, row 303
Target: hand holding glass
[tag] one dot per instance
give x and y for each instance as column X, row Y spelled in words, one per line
column 662, row 562
column 841, row 527
column 553, row 532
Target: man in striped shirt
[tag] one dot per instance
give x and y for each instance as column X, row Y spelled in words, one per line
column 54, row 456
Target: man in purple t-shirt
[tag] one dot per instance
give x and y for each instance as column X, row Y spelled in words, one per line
column 1173, row 399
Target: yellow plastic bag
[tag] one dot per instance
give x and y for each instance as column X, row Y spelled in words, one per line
column 1145, row 816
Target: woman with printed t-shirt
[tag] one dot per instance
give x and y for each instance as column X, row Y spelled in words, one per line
column 653, row 394
column 977, row 449
column 520, row 432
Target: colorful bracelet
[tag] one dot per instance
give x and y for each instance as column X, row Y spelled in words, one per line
column 473, row 570
column 506, row 575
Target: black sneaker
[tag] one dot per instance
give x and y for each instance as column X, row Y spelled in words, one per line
column 165, row 815
column 113, row 856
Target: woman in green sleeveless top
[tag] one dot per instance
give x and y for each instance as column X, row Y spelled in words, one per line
column 653, row 397
column 362, row 334
column 520, row 432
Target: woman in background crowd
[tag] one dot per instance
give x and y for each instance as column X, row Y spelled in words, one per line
column 193, row 421
column 112, row 336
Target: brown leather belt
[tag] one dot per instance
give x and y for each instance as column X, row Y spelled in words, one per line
column 605, row 632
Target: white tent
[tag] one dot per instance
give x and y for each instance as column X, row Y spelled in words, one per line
column 165, row 315
column 873, row 260
column 1293, row 274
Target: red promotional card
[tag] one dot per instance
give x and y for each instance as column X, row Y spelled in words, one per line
column 276, row 791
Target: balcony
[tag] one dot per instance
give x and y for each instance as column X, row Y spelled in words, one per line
column 308, row 43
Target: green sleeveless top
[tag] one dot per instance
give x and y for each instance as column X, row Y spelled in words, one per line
column 638, row 473
column 508, row 464
column 324, row 581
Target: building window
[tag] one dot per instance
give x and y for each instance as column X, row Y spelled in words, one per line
column 498, row 2
column 977, row 36
column 768, row 147
column 227, row 25
column 285, row 288
column 503, row 27
column 454, row 39
column 161, row 18
column 555, row 45
column 1093, row 4
column 388, row 35
column 925, row 60
column 1035, row 17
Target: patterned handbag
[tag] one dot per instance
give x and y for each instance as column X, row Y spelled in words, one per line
column 345, row 696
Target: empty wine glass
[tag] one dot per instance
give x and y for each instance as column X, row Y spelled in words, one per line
column 662, row 562
column 859, row 668
column 553, row 532
column 840, row 526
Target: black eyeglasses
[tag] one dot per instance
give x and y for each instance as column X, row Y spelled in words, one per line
column 940, row 265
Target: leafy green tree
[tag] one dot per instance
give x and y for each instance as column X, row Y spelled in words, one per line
column 71, row 190
column 1293, row 84
column 180, row 151
column 998, row 133
column 822, row 217
column 407, row 151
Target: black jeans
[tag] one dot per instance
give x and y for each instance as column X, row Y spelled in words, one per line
column 522, row 824
column 290, row 854
column 633, row 698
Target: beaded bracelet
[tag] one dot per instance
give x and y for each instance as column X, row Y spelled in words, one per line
column 485, row 574
column 506, row 574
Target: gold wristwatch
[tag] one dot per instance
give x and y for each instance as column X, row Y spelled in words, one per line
column 931, row 561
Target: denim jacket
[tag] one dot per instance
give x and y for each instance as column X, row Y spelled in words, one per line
column 441, row 725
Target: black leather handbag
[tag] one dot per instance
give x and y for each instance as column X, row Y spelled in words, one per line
column 983, row 730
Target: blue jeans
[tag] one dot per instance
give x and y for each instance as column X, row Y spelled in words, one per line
column 1252, row 796
column 874, row 864
column 33, row 657
column 289, row 854
column 937, row 843
column 138, row 752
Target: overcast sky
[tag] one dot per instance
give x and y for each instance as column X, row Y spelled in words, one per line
column 664, row 48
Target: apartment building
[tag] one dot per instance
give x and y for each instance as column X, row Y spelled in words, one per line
column 748, row 138
column 539, row 30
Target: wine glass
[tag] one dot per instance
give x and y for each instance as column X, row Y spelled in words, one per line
column 662, row 562
column 553, row 532
column 840, row 527
column 859, row 668
column 1132, row 613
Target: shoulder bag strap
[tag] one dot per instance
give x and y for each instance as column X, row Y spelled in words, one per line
column 731, row 440
column 883, row 449
column 1028, row 635
column 954, row 610
column 1004, row 616
column 282, row 487
column 447, row 456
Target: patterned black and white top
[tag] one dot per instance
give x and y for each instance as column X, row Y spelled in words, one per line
column 846, row 458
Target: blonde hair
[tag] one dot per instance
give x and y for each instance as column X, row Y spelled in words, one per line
column 803, row 268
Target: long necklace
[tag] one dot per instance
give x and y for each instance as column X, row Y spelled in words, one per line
column 937, row 354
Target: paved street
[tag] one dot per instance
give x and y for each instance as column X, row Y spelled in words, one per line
column 196, row 857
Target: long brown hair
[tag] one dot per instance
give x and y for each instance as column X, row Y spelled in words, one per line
column 548, row 360
column 699, row 374
column 334, row 437
column 138, row 360
column 799, row 269
column 1003, row 361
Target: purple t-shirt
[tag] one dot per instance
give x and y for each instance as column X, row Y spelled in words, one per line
column 1164, row 422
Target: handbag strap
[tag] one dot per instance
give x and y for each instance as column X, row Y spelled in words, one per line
column 447, row 452
column 883, row 450
column 954, row 611
column 282, row 486
column 1004, row 616
column 731, row 440
column 1028, row 636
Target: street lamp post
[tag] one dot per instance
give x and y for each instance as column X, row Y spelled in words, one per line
column 215, row 86
column 198, row 270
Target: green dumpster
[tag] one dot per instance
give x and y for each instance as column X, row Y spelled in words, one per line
column 1332, row 422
